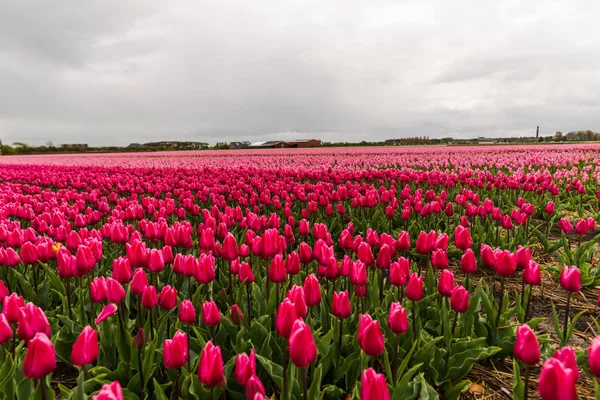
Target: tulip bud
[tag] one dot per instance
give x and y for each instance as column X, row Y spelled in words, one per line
column 549, row 209
column 527, row 347
column 237, row 317
column 570, row 279
column 246, row 275
column 175, row 351
column 230, row 248
column 40, row 359
column 85, row 348
column 488, row 258
column 139, row 340
column 397, row 319
column 303, row 350
column 373, row 386
column 210, row 369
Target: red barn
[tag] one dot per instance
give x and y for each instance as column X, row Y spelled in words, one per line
column 302, row 143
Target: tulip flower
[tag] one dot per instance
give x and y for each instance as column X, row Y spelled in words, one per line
column 414, row 290
column 370, row 338
column 6, row 332
column 296, row 296
column 365, row 254
column 439, row 259
column 111, row 391
column 168, row 298
column 40, row 359
column 255, row 389
column 85, row 348
column 31, row 321
column 175, row 351
column 527, row 347
column 570, row 280
column 462, row 238
column 403, row 241
column 286, row 316
column 446, row 283
column 303, row 349
column 245, row 367
column 210, row 314
column 187, row 313
column 566, row 355
column 488, row 258
column 522, row 257
column 139, row 282
column 532, row 276
column 210, row 369
column 557, row 381
column 459, row 300
column 373, row 386
column 340, row 305
column 312, row 290
column 593, row 356
column 106, row 312
column 4, row 292
column 11, row 307
column 114, row 291
column 565, row 225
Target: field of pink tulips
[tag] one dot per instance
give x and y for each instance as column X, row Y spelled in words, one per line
column 373, row 274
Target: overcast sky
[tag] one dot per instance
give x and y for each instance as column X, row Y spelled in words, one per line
column 121, row 71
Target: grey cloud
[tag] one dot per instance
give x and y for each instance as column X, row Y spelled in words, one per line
column 116, row 72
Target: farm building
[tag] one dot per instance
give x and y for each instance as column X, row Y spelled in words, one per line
column 278, row 144
column 271, row 144
column 303, row 143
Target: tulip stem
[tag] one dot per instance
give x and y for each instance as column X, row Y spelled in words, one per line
column 44, row 395
column 212, row 389
column 175, row 392
column 249, row 294
column 564, row 335
column 304, row 389
column 69, row 313
column 151, row 324
column 187, row 328
column 141, row 372
column 522, row 293
column 395, row 367
column 528, row 302
column 501, row 301
column 454, row 323
column 526, row 391
column 414, row 315
column 340, row 342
